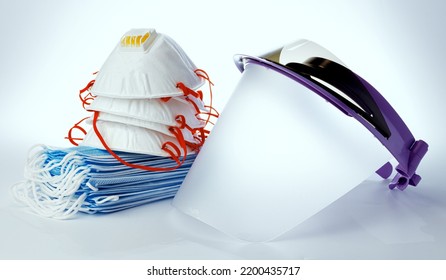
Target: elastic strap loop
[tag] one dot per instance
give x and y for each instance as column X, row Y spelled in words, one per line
column 212, row 109
column 87, row 87
column 87, row 98
column 200, row 119
column 188, row 91
column 197, row 109
column 168, row 146
column 181, row 120
column 194, row 146
column 202, row 74
column 144, row 167
column 199, row 94
column 201, row 131
column 78, row 127
column 204, row 133
column 179, row 136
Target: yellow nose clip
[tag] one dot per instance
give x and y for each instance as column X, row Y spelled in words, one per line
column 138, row 40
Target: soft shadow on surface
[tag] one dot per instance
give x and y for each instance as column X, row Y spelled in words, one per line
column 205, row 235
column 389, row 215
column 373, row 222
column 369, row 222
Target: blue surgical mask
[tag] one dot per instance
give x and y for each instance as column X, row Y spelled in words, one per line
column 59, row 182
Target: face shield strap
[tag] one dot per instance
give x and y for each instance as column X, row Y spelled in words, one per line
column 356, row 98
column 343, row 84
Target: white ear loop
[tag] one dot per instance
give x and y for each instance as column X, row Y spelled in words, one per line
column 48, row 195
column 43, row 205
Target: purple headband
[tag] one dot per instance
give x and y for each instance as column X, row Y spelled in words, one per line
column 356, row 98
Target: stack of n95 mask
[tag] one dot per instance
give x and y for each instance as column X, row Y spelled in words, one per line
column 148, row 121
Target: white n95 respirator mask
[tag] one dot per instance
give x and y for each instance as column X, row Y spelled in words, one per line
column 145, row 64
column 146, row 99
column 153, row 110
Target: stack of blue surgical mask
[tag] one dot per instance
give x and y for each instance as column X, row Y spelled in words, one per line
column 61, row 182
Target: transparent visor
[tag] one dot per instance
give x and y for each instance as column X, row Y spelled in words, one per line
column 277, row 156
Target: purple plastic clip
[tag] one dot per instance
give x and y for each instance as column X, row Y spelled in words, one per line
column 406, row 170
column 392, row 131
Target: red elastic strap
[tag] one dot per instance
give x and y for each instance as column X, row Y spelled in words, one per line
column 79, row 127
column 202, row 74
column 168, row 146
column 165, row 99
column 179, row 136
column 194, row 146
column 201, row 137
column 188, row 91
column 200, row 134
column 86, row 100
column 144, row 167
column 87, row 87
column 210, row 114
column 197, row 109
column 181, row 120
column 206, row 120
column 176, row 132
column 200, row 94
column 215, row 114
column 203, row 134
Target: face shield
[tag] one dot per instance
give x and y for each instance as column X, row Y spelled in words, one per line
column 291, row 141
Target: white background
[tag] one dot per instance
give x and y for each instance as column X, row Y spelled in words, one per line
column 48, row 50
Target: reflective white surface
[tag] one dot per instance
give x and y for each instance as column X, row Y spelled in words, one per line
column 370, row 222
column 49, row 49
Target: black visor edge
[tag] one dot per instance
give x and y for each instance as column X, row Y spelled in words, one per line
column 328, row 74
